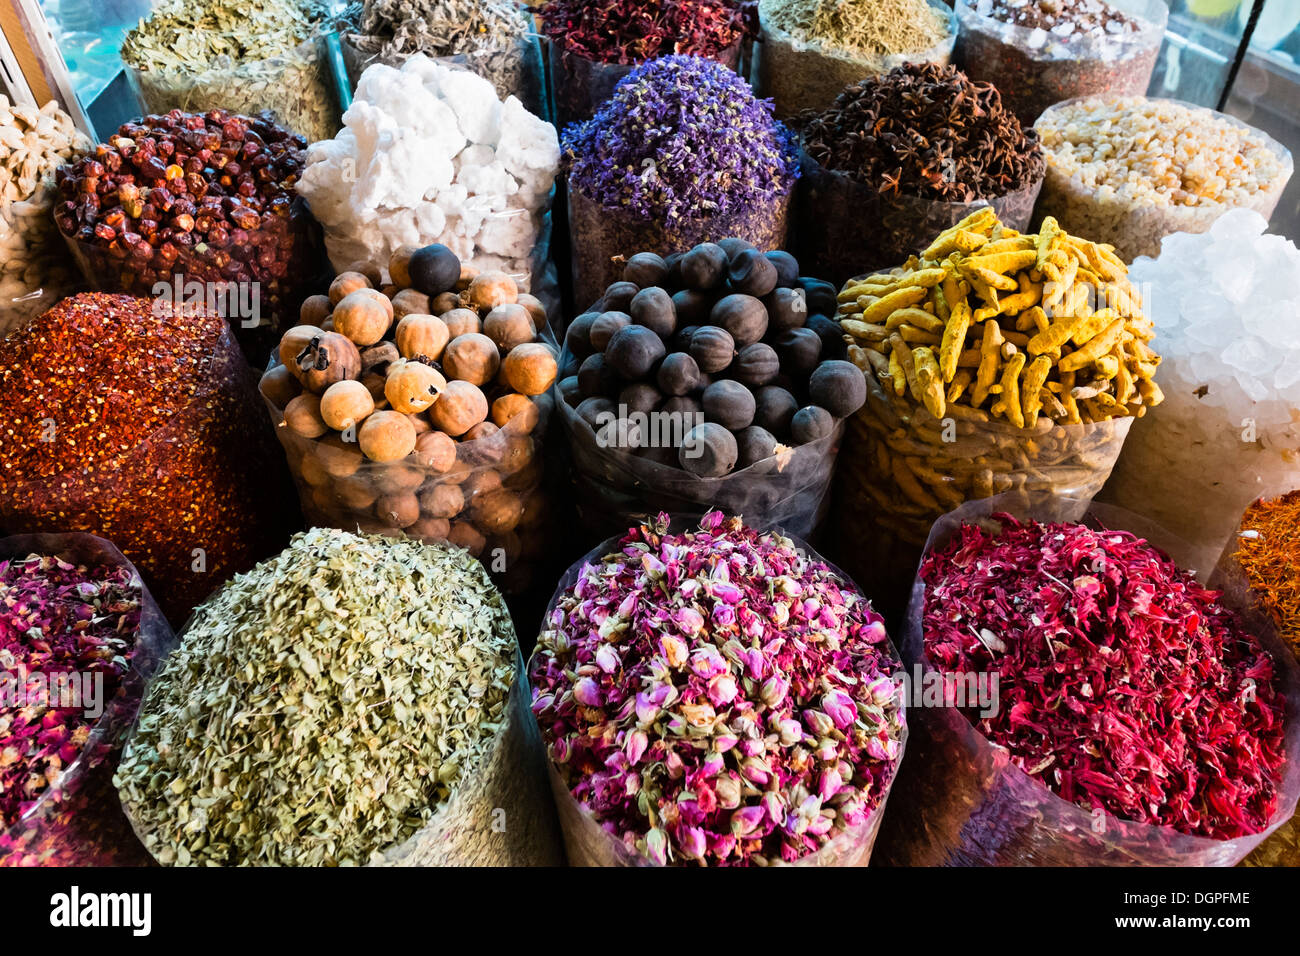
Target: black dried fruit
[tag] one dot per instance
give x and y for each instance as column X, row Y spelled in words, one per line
column 633, row 351
column 704, row 267
column 673, row 278
column 752, row 273
column 618, row 297
column 774, row 407
column 810, row 424
column 823, row 297
column 830, row 333
column 800, row 350
column 756, row 364
column 734, row 246
column 683, row 405
column 593, row 410
column 665, row 455
column 743, row 316
column 691, row 306
column 653, row 307
column 754, row 444
column 729, row 404
column 606, row 324
column 839, row 387
column 595, row 377
column 786, row 309
column 681, row 341
column 578, row 336
column 679, row 374
column 434, row 270
column 570, row 390
column 787, row 267
column 640, row 397
column 709, row 451
column 645, row 269
column 712, row 348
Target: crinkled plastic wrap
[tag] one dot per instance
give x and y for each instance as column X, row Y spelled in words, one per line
column 959, row 801
column 1135, row 228
column 297, row 88
column 495, row 489
column 501, row 813
column 1283, row 847
column 195, row 502
column 34, row 268
column 1033, row 69
column 78, row 821
column 598, row 234
column 843, row 227
column 588, row 844
column 615, row 489
column 800, row 75
column 579, row 85
column 285, row 260
column 515, row 70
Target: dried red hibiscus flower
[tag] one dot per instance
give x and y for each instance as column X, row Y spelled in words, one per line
column 56, row 618
column 1124, row 684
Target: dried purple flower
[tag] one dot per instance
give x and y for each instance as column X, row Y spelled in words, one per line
column 694, row 747
column 682, row 138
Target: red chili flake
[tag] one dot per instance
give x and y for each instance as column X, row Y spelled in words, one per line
column 56, row 618
column 1124, row 684
column 124, row 418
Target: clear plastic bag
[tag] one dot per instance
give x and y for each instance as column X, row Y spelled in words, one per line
column 296, row 88
column 597, row 234
column 615, row 489
column 515, row 70
column 195, row 502
column 491, row 501
column 1033, row 69
column 579, row 86
column 1135, row 228
column 587, row 844
column 961, row 802
column 798, row 75
column 844, row 227
column 78, row 821
column 35, row 272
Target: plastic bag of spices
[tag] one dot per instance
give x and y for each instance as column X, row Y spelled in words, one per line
column 1072, row 54
column 800, row 74
column 962, row 800
column 77, row 819
column 415, row 639
column 590, row 842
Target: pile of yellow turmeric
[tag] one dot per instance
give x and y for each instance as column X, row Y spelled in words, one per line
column 992, row 324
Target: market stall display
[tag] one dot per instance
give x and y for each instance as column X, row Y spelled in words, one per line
column 35, row 272
column 813, row 49
column 137, row 421
column 1263, row 563
column 1041, row 52
column 79, row 636
column 681, row 154
column 903, row 156
column 420, row 410
column 1224, row 304
column 185, row 198
column 1181, row 768
column 241, row 57
column 380, row 690
column 1130, row 170
column 996, row 362
column 711, row 379
column 467, row 170
column 594, row 44
column 493, row 38
column 717, row 697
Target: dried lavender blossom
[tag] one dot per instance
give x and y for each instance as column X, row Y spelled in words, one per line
column 718, row 696
column 682, row 138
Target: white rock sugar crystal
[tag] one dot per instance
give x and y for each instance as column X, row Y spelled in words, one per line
column 429, row 154
column 1226, row 304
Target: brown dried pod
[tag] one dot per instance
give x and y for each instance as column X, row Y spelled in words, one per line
column 423, row 336
column 329, row 358
column 471, row 358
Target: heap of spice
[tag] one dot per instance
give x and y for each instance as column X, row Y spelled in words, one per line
column 718, row 697
column 683, row 152
column 208, row 197
column 57, row 618
column 244, row 56
column 925, row 130
column 1267, row 554
column 130, row 419
column 348, row 688
column 1126, row 686
column 634, row 31
column 866, row 29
